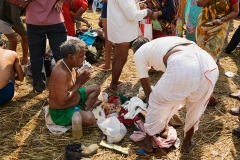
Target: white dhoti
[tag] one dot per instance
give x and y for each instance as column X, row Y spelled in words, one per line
column 189, row 80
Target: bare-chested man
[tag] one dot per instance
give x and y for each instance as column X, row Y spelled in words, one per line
column 10, row 70
column 65, row 86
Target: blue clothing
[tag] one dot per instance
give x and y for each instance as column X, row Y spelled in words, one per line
column 192, row 11
column 104, row 10
column 89, row 37
column 7, row 93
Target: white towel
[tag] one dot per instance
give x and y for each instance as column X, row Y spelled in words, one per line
column 52, row 127
column 134, row 106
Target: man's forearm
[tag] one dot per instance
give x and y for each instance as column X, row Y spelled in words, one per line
column 146, row 86
column 17, row 2
column 71, row 94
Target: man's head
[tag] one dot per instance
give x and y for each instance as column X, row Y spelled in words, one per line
column 138, row 43
column 2, row 44
column 74, row 50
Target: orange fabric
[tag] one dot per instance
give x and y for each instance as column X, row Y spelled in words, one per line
column 181, row 9
column 69, row 23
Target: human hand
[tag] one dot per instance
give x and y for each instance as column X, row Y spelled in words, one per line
column 26, row 3
column 59, row 5
column 149, row 13
column 217, row 22
column 82, row 78
column 72, row 13
column 142, row 6
column 88, row 25
column 155, row 15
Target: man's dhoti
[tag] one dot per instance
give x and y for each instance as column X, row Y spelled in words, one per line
column 189, row 80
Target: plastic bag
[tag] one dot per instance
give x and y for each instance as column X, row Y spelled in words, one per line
column 156, row 25
column 146, row 28
column 112, row 128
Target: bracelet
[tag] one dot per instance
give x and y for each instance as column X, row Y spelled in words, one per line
column 159, row 13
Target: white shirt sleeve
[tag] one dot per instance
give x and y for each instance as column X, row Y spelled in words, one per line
column 130, row 11
column 141, row 64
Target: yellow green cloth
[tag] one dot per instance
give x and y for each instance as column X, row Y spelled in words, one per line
column 63, row 117
column 211, row 37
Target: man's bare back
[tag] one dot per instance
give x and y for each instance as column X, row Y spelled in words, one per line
column 9, row 67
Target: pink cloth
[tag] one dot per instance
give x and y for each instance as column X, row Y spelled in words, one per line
column 41, row 12
column 158, row 141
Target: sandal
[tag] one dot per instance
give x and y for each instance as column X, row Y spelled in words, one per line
column 78, row 150
column 236, row 131
column 235, row 111
column 235, row 95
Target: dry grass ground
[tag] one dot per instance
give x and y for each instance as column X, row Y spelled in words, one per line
column 23, row 134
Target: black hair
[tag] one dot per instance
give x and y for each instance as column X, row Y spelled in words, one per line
column 138, row 43
column 2, row 42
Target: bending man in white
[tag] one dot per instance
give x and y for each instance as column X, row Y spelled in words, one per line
column 189, row 79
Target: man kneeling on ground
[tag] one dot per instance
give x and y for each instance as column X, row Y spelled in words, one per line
column 65, row 86
column 189, row 78
column 10, row 70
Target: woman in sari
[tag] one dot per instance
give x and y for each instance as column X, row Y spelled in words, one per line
column 192, row 11
column 166, row 13
column 212, row 25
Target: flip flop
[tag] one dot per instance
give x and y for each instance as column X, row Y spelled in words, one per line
column 236, row 131
column 235, row 111
column 78, row 150
column 235, row 95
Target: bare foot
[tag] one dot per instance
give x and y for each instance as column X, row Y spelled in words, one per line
column 113, row 89
column 24, row 61
column 120, row 82
column 97, row 103
column 188, row 146
column 147, row 146
column 104, row 67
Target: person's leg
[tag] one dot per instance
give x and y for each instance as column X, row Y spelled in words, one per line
column 7, row 92
column 6, row 29
column 57, row 34
column 37, row 47
column 188, row 141
column 196, row 105
column 108, row 47
column 233, row 42
column 24, row 44
column 119, row 60
column 12, row 41
column 88, row 118
column 92, row 92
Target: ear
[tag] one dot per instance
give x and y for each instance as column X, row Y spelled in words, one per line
column 70, row 57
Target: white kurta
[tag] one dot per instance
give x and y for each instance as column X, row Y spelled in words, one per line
column 188, row 80
column 122, row 21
